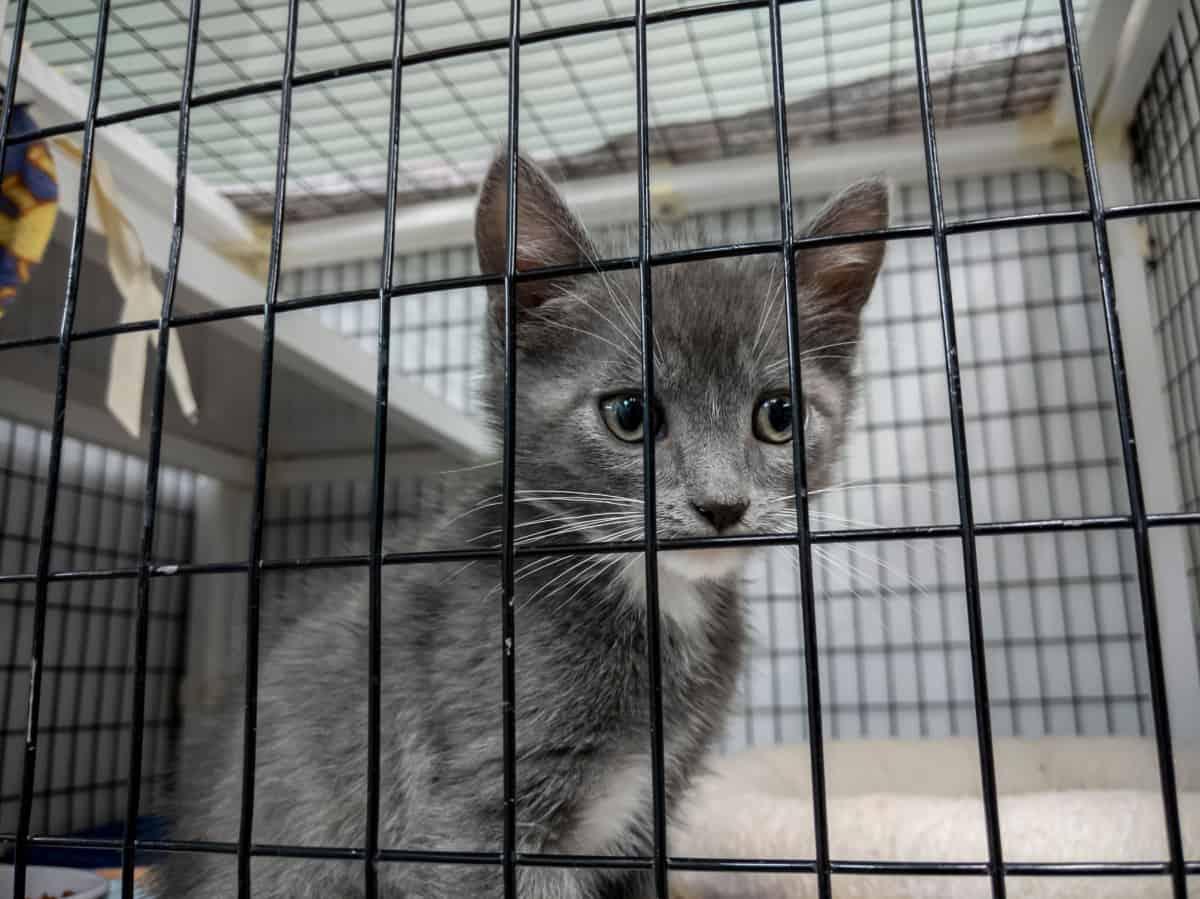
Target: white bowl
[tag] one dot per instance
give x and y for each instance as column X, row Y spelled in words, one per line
column 41, row 881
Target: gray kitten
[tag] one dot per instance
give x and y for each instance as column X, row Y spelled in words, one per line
column 724, row 465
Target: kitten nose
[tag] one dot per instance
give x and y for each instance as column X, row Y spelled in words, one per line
column 722, row 514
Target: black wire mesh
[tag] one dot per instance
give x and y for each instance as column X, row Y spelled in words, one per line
column 1129, row 452
column 963, row 528
column 1165, row 139
column 82, row 779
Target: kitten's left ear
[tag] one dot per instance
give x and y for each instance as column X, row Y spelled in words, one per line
column 840, row 276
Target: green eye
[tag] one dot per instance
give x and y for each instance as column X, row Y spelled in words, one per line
column 773, row 419
column 625, row 417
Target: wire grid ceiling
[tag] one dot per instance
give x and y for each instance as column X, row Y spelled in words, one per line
column 849, row 67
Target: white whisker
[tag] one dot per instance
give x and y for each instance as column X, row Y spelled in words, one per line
column 891, row 569
column 547, row 496
column 470, row 467
column 557, row 582
column 457, row 572
column 600, row 571
column 564, row 524
column 624, row 351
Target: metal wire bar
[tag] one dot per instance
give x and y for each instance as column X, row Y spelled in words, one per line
column 851, row 867
column 72, row 520
column 105, row 615
column 379, row 465
column 121, row 652
column 808, row 607
column 150, row 504
column 10, row 86
column 508, row 487
column 672, row 257
column 9, row 103
column 783, row 538
column 1133, row 478
column 254, row 567
column 649, row 489
column 1167, row 150
column 962, row 469
column 322, row 42
column 54, row 470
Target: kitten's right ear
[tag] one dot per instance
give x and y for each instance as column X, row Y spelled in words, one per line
column 547, row 233
column 840, row 276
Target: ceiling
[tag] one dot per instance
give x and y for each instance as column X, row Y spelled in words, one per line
column 849, row 68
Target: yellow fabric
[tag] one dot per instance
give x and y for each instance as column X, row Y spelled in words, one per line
column 40, row 156
column 30, row 240
column 142, row 301
column 8, row 227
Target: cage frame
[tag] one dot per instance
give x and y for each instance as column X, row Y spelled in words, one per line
column 1134, row 44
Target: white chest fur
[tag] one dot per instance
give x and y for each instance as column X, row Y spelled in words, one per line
column 611, row 805
column 621, row 789
column 678, row 598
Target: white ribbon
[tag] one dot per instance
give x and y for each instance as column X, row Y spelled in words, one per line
column 141, row 300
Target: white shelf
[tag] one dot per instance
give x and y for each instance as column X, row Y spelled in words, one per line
column 322, row 405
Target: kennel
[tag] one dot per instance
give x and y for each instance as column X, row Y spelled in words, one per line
column 1006, row 563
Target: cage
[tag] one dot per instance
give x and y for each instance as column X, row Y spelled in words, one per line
column 252, row 348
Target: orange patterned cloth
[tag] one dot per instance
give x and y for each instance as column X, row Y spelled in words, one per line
column 115, row 873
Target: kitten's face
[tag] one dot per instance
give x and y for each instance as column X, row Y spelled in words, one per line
column 723, row 428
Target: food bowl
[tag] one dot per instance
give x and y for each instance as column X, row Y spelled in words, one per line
column 55, row 882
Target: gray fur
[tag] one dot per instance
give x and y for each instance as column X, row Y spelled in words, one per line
column 582, row 685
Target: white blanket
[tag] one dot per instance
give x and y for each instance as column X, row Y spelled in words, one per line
column 1062, row 800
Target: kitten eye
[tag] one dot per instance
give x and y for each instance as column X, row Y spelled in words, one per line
column 773, row 419
column 624, row 416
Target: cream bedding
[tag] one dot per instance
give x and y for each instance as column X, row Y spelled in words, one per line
column 1062, row 800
